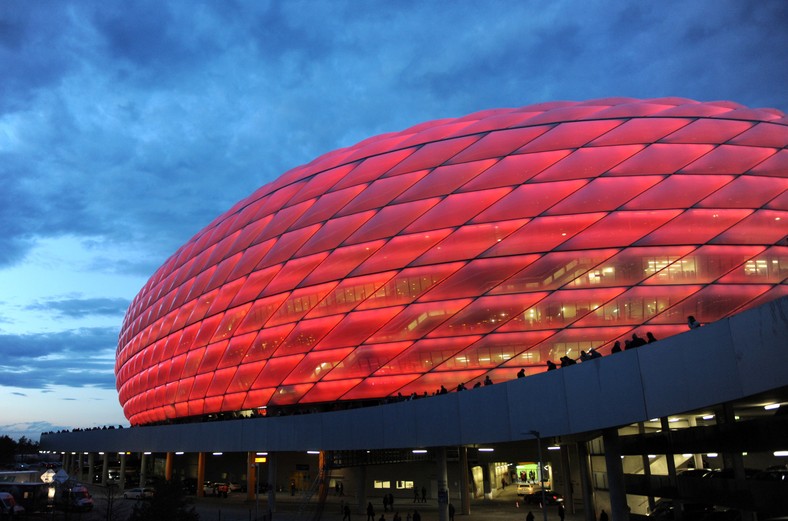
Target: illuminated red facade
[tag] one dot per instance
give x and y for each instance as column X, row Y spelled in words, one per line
column 462, row 248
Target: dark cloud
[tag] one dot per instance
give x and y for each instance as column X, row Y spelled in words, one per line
column 79, row 308
column 78, row 358
column 19, row 394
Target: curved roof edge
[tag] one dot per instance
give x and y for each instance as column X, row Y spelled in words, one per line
column 733, row 358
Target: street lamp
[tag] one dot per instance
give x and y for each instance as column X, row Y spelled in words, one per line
column 536, row 435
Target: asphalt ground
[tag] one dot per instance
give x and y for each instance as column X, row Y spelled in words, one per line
column 236, row 507
column 505, row 506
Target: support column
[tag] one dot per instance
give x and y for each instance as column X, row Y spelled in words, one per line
column 272, row 457
column 200, row 474
column 566, row 470
column 443, row 485
column 465, row 494
column 589, row 510
column 79, row 467
column 143, row 470
column 361, row 488
column 647, row 468
column 615, row 475
column 105, row 469
column 122, row 477
column 486, row 480
column 168, row 467
column 91, row 465
column 697, row 457
column 251, row 477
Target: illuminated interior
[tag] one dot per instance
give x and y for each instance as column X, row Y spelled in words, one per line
column 465, row 248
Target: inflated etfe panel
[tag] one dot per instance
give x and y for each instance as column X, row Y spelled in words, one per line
column 465, row 248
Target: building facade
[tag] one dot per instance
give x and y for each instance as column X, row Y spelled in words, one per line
column 464, row 249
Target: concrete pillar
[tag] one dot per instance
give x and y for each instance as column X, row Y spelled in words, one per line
column 646, row 468
column 589, row 509
column 361, row 488
column 251, row 477
column 443, row 485
column 143, row 469
column 566, row 472
column 105, row 469
column 91, row 465
column 272, row 457
column 615, row 475
column 697, row 457
column 78, row 475
column 465, row 493
column 122, row 480
column 168, row 467
column 487, row 480
column 200, row 474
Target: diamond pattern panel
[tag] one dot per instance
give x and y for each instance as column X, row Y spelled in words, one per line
column 464, row 248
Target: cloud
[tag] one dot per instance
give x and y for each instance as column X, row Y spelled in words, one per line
column 79, row 308
column 78, row 358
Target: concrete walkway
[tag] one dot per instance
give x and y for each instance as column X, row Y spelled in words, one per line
column 503, row 507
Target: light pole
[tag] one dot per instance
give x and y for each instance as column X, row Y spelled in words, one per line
column 536, row 435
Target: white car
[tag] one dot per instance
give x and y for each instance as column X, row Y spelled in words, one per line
column 138, row 493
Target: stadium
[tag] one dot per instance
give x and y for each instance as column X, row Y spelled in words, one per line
column 351, row 308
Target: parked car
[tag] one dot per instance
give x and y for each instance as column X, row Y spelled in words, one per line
column 8, row 506
column 236, row 487
column 221, row 489
column 138, row 493
column 550, row 497
column 527, row 488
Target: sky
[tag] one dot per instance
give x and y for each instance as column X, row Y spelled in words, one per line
column 126, row 127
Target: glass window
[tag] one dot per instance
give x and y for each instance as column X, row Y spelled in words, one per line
column 707, row 130
column 637, row 305
column 327, row 205
column 628, row 267
column 299, row 303
column 711, row 303
column 770, row 266
column 639, row 130
column 357, row 326
column 306, row 335
column 703, row 265
column 350, row 293
column 478, row 277
column 375, row 387
column 529, row 200
column 495, row 349
column 417, row 320
column 366, row 359
column 372, row 167
column 570, row 134
column 316, row 365
column 266, row 342
column 486, row 314
column 561, row 308
column 293, row 273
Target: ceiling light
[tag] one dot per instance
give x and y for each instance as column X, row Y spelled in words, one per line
column 771, row 406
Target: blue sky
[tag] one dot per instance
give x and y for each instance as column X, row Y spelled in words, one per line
column 125, row 127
